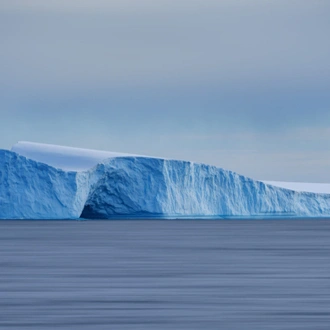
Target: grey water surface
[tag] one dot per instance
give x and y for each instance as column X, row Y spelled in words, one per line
column 271, row 274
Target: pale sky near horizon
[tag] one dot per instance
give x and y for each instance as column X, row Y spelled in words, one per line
column 243, row 85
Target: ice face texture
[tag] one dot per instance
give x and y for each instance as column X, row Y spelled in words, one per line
column 33, row 190
column 168, row 188
column 133, row 186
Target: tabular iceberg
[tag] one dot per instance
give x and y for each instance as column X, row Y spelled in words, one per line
column 51, row 182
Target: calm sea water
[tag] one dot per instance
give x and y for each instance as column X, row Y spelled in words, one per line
column 165, row 274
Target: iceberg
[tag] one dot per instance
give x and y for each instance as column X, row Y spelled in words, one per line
column 39, row 181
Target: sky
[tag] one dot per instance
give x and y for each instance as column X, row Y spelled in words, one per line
column 243, row 85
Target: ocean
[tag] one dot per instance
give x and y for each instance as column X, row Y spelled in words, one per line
column 165, row 274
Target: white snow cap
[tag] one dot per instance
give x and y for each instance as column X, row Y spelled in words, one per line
column 65, row 158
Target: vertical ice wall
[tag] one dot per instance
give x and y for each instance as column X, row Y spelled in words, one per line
column 32, row 190
column 137, row 186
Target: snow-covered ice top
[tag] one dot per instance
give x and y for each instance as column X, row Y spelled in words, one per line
column 65, row 158
column 77, row 159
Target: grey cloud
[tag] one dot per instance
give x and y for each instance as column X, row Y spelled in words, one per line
column 233, row 44
column 121, row 5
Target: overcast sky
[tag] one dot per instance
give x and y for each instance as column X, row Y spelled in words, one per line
column 243, row 85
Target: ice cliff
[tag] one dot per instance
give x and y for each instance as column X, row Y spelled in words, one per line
column 34, row 190
column 51, row 182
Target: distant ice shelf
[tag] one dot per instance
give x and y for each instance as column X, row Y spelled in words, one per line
column 318, row 188
column 39, row 181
